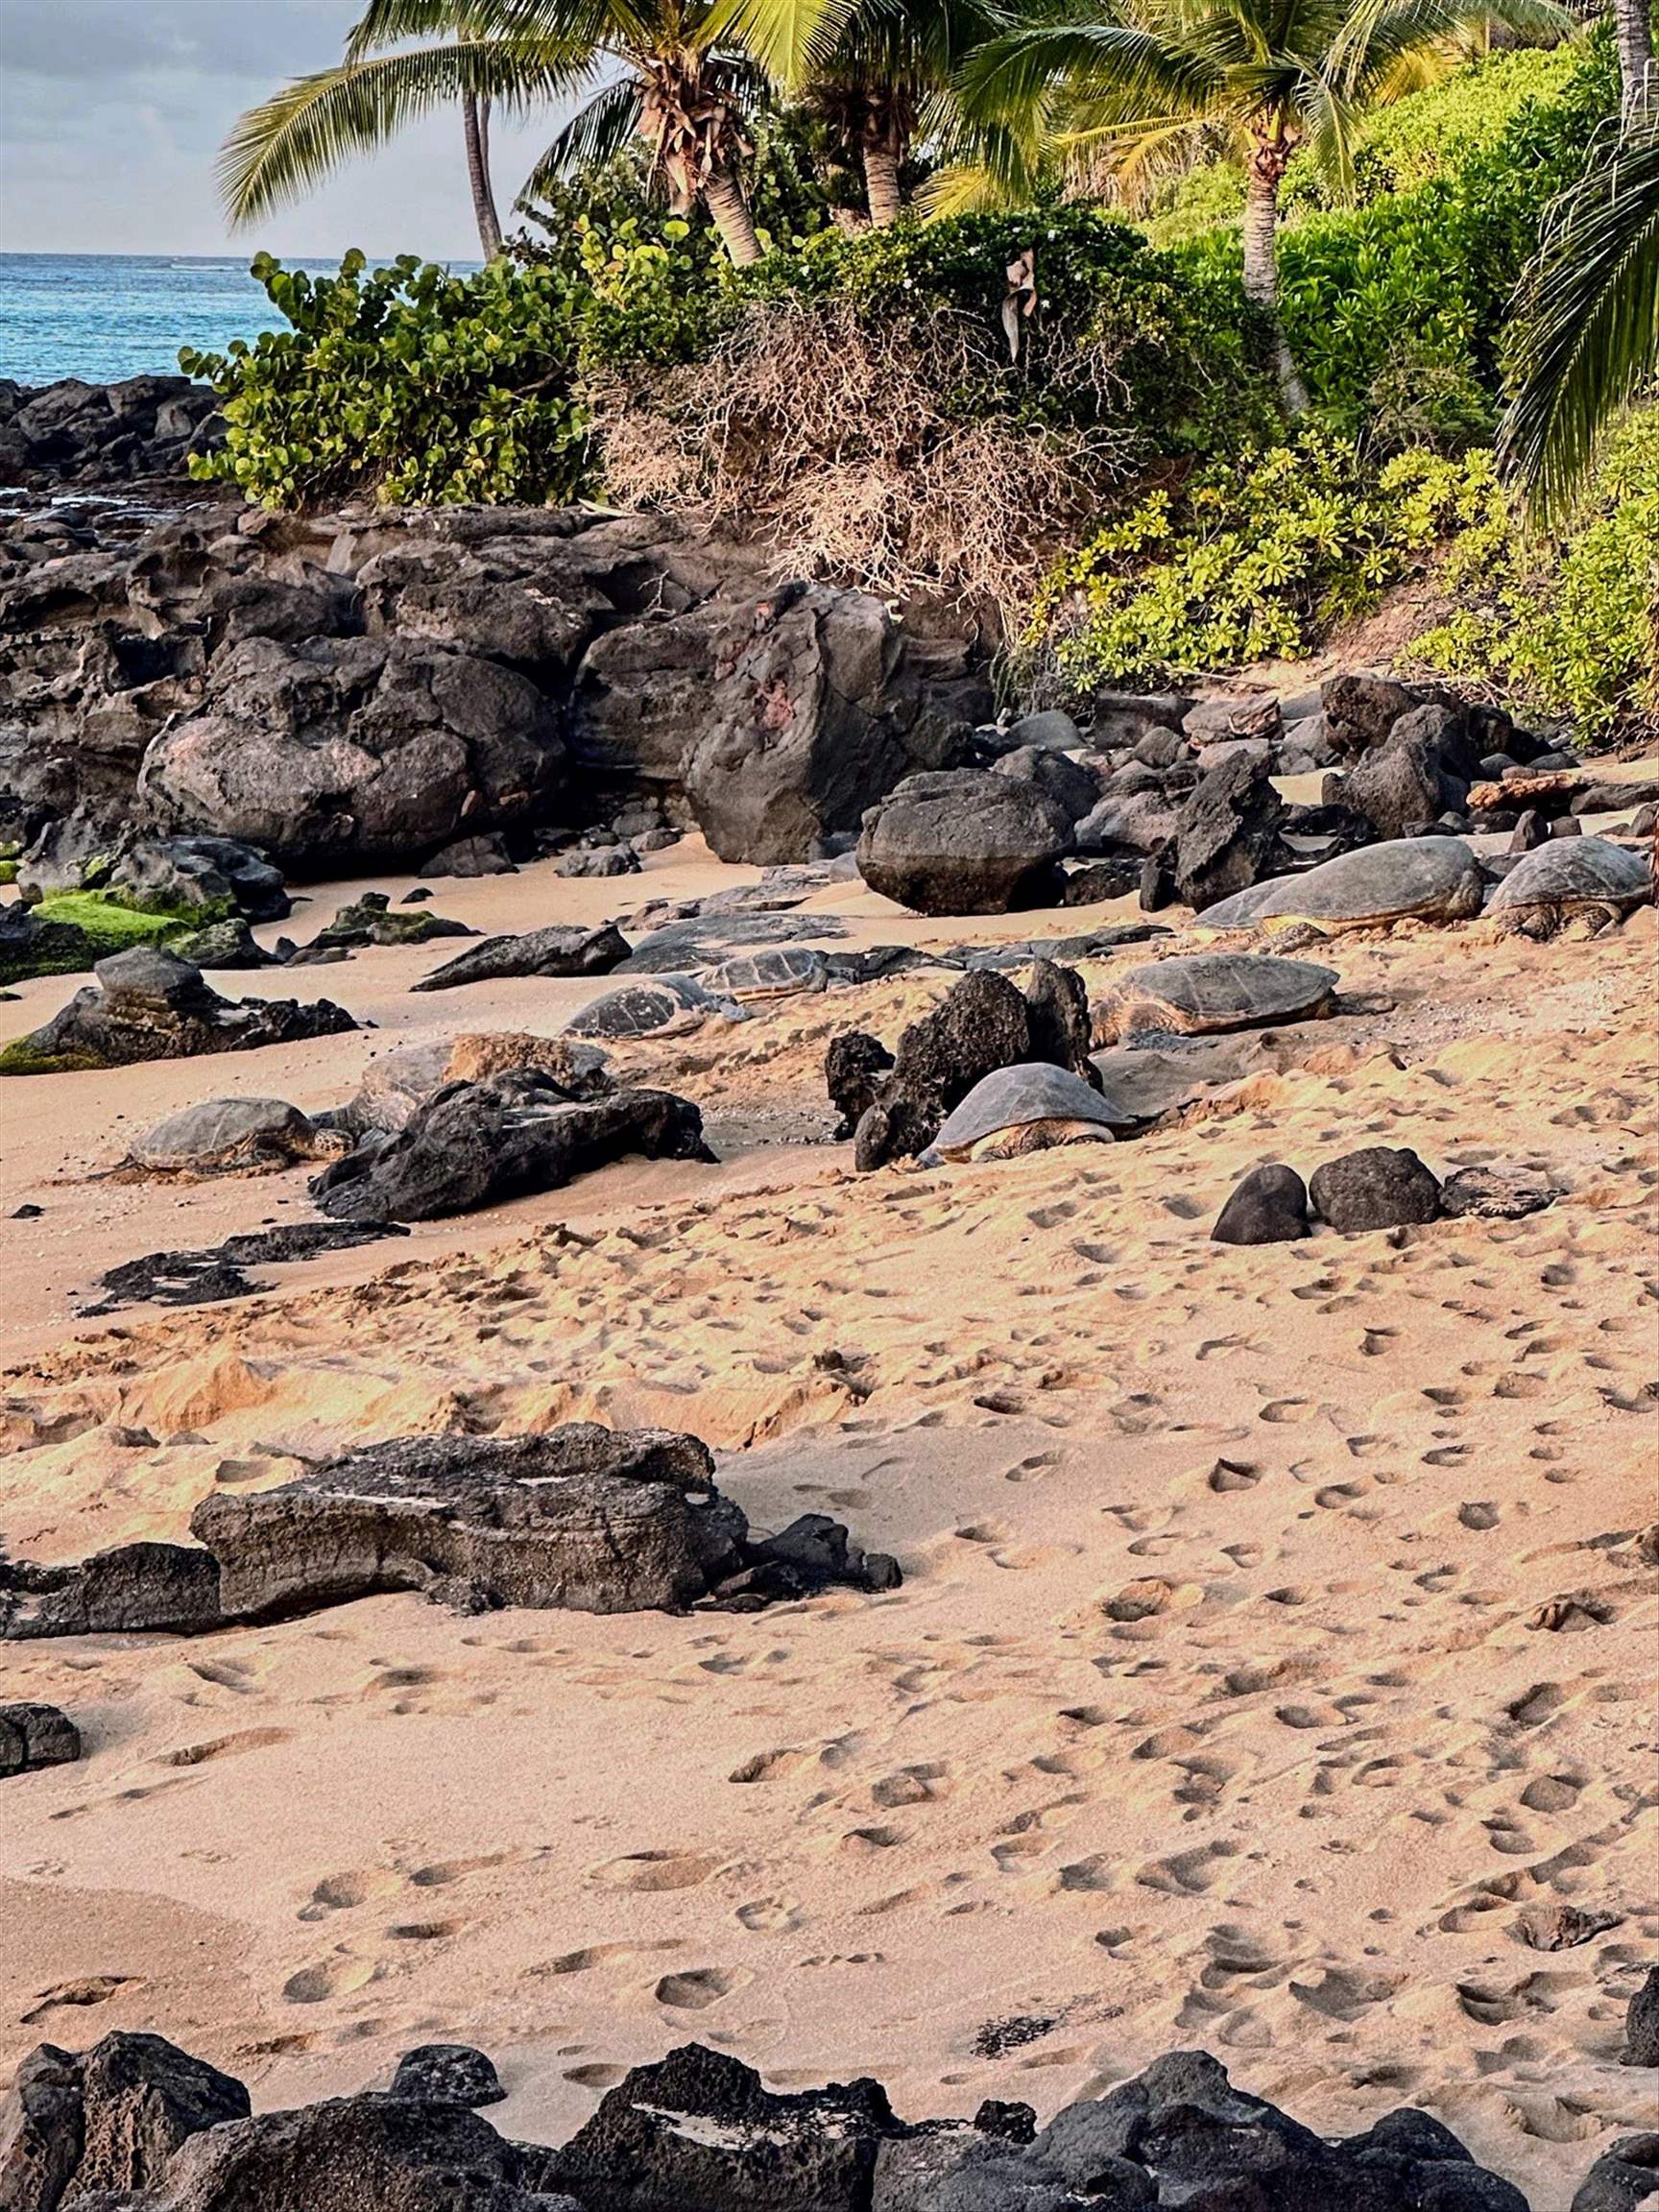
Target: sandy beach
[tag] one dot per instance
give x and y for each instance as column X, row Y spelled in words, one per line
column 1272, row 1670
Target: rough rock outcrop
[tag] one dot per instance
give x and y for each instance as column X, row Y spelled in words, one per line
column 821, row 708
column 965, row 842
column 112, row 2119
column 146, row 1005
column 1226, row 834
column 447, row 2074
column 475, row 1144
column 140, row 429
column 342, row 750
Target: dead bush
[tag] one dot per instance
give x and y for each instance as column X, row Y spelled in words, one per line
column 864, row 450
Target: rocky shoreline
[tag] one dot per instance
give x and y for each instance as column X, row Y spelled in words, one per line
column 136, row 2124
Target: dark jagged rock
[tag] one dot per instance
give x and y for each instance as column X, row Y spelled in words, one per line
column 982, row 1024
column 818, row 711
column 42, row 2131
column 561, row 951
column 146, row 1004
column 853, row 1067
column 368, row 2153
column 224, row 944
column 1057, row 1010
column 109, row 2120
column 472, row 856
column 699, row 2130
column 964, row 842
column 203, row 1276
column 813, row 1553
column 1267, row 1206
column 129, row 1590
column 1227, row 833
column 214, row 876
column 1375, row 1188
column 350, row 749
column 1622, row 2178
column 33, row 1735
column 1641, row 2023
column 1071, row 786
column 599, row 860
column 140, row 429
column 447, row 2074
column 595, row 1519
column 1101, row 879
column 1422, row 769
column 475, row 1144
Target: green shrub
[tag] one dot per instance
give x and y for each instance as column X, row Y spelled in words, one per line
column 1573, row 630
column 1249, row 565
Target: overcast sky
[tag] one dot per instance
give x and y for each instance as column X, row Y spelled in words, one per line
column 112, row 113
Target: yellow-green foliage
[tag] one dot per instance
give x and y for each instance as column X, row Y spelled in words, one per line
column 1571, row 629
column 1251, row 563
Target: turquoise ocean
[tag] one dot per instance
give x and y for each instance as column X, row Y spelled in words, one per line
column 104, row 316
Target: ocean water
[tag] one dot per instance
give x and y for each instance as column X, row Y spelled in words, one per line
column 104, row 316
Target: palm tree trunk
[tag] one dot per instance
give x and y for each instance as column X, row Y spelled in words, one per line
column 1266, row 170
column 475, row 116
column 726, row 203
column 1638, row 72
column 881, row 165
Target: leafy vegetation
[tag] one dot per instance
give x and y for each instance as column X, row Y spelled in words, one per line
column 1573, row 630
column 1251, row 565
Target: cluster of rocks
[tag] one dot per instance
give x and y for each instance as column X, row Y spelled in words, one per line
column 140, row 430
column 593, row 1518
column 137, row 2124
column 457, row 688
column 1375, row 1188
column 1174, row 798
column 148, row 1004
column 894, row 1104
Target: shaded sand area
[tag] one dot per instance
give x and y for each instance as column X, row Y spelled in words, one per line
column 1273, row 1670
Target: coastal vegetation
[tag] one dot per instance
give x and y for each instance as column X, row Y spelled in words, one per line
column 1163, row 342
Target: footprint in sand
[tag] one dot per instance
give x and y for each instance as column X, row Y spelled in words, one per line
column 698, row 1988
column 336, row 1976
column 648, row 1871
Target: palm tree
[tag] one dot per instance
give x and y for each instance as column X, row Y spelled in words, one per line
column 1282, row 78
column 476, row 122
column 683, row 84
column 1638, row 71
column 1586, row 340
column 889, row 79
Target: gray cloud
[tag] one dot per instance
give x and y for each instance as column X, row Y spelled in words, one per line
column 113, row 112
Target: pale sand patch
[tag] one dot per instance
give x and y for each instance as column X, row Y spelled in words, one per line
column 1219, row 1704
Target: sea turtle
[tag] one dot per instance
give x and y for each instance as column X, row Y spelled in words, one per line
column 1416, row 878
column 772, row 974
column 1023, row 1109
column 219, row 1136
column 1569, row 878
column 666, row 1006
column 1205, row 992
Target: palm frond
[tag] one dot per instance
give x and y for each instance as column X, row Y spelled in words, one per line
column 592, row 136
column 786, row 38
column 292, row 140
column 1095, row 59
column 1586, row 339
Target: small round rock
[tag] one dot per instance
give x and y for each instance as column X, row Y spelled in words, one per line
column 1268, row 1206
column 447, row 2074
column 1375, row 1188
